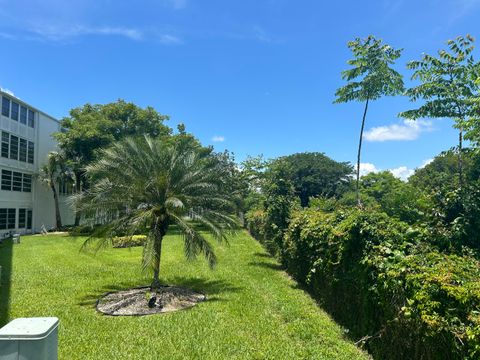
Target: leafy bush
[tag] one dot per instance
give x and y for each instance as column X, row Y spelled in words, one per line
column 129, row 241
column 377, row 277
column 82, row 230
column 255, row 221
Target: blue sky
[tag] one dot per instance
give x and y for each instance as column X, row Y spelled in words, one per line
column 252, row 76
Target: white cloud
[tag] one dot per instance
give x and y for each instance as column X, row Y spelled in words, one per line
column 218, row 138
column 402, row 172
column 425, row 163
column 367, row 168
column 169, row 39
column 409, row 130
column 58, row 33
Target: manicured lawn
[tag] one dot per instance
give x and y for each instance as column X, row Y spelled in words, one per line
column 254, row 311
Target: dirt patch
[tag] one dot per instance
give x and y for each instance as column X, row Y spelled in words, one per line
column 143, row 301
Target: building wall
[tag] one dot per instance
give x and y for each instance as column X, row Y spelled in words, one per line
column 40, row 199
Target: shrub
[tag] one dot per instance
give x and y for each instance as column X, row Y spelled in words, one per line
column 255, row 222
column 81, row 230
column 129, row 241
column 378, row 277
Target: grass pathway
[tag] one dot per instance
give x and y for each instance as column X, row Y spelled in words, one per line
column 254, row 311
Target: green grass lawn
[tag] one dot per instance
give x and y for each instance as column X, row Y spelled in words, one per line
column 253, row 311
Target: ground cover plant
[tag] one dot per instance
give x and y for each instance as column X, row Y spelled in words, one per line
column 253, row 310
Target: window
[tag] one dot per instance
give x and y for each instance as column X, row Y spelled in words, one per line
column 17, row 148
column 29, row 219
column 5, row 144
column 23, row 115
column 5, row 106
column 65, row 187
column 3, row 219
column 15, row 107
column 7, row 219
column 11, row 218
column 31, row 152
column 6, row 180
column 22, row 218
column 23, row 150
column 13, row 147
column 31, row 118
column 17, row 181
column 27, row 183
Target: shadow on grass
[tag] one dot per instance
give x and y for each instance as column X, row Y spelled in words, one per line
column 266, row 265
column 260, row 260
column 213, row 289
column 6, row 254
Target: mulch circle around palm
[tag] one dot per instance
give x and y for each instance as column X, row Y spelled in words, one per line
column 144, row 301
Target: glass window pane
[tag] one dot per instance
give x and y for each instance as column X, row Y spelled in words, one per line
column 23, row 150
column 5, row 106
column 22, row 218
column 11, row 214
column 17, row 181
column 13, row 147
column 29, row 219
column 6, row 180
column 27, row 183
column 31, row 118
column 3, row 219
column 31, row 152
column 15, row 107
column 23, row 115
column 5, row 144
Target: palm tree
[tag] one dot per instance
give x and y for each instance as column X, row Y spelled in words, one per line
column 145, row 184
column 50, row 174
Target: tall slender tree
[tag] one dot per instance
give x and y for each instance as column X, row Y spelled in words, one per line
column 51, row 173
column 448, row 87
column 370, row 78
column 145, row 184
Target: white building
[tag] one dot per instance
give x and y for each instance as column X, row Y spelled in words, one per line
column 26, row 204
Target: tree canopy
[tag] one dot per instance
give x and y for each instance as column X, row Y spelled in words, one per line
column 311, row 174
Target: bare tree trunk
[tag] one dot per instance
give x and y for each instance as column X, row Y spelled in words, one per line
column 460, row 160
column 157, row 249
column 58, row 217
column 359, row 203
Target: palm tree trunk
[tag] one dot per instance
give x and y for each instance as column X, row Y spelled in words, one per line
column 58, row 217
column 157, row 249
column 359, row 153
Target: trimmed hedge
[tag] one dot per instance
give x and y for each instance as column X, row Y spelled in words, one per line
column 129, row 241
column 398, row 296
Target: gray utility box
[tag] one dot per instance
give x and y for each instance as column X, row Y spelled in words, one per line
column 30, row 339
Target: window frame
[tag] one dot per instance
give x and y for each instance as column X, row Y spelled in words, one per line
column 5, row 101
column 14, row 115
column 6, row 180
column 14, row 149
column 23, row 114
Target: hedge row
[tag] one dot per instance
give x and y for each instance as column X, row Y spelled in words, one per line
column 129, row 241
column 397, row 296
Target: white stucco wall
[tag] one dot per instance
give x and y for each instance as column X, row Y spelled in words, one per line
column 40, row 200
